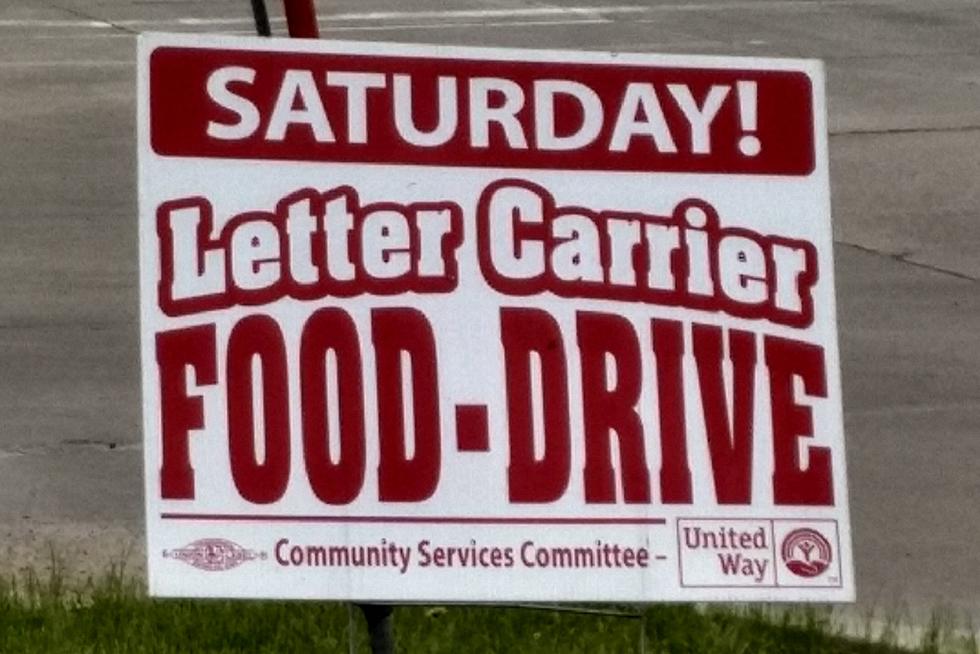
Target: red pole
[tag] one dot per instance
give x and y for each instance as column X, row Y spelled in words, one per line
column 301, row 19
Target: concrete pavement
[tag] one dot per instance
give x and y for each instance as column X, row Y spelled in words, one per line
column 904, row 89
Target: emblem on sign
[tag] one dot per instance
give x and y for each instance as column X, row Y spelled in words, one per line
column 214, row 554
column 806, row 552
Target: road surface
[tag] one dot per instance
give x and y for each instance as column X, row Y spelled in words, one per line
column 904, row 90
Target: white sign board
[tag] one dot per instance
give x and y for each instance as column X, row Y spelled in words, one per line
column 433, row 323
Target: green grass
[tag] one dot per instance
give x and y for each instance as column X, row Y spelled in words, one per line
column 113, row 615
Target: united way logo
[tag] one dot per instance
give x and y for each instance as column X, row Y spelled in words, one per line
column 806, row 553
column 214, row 554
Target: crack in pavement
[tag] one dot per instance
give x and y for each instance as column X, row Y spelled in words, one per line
column 902, row 257
column 907, row 130
column 70, row 445
column 77, row 13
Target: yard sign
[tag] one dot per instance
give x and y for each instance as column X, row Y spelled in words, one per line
column 443, row 323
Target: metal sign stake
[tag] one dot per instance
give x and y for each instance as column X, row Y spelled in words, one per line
column 262, row 26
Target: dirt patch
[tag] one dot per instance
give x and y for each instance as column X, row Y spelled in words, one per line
column 78, row 550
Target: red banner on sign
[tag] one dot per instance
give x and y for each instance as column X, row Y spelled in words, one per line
column 506, row 114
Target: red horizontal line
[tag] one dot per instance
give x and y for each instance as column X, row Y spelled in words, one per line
column 436, row 520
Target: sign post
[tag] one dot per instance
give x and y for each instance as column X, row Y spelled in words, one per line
column 262, row 25
column 463, row 324
column 301, row 19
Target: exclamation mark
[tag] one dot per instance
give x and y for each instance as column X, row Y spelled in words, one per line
column 749, row 144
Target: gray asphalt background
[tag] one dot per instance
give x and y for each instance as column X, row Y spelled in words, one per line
column 904, row 88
